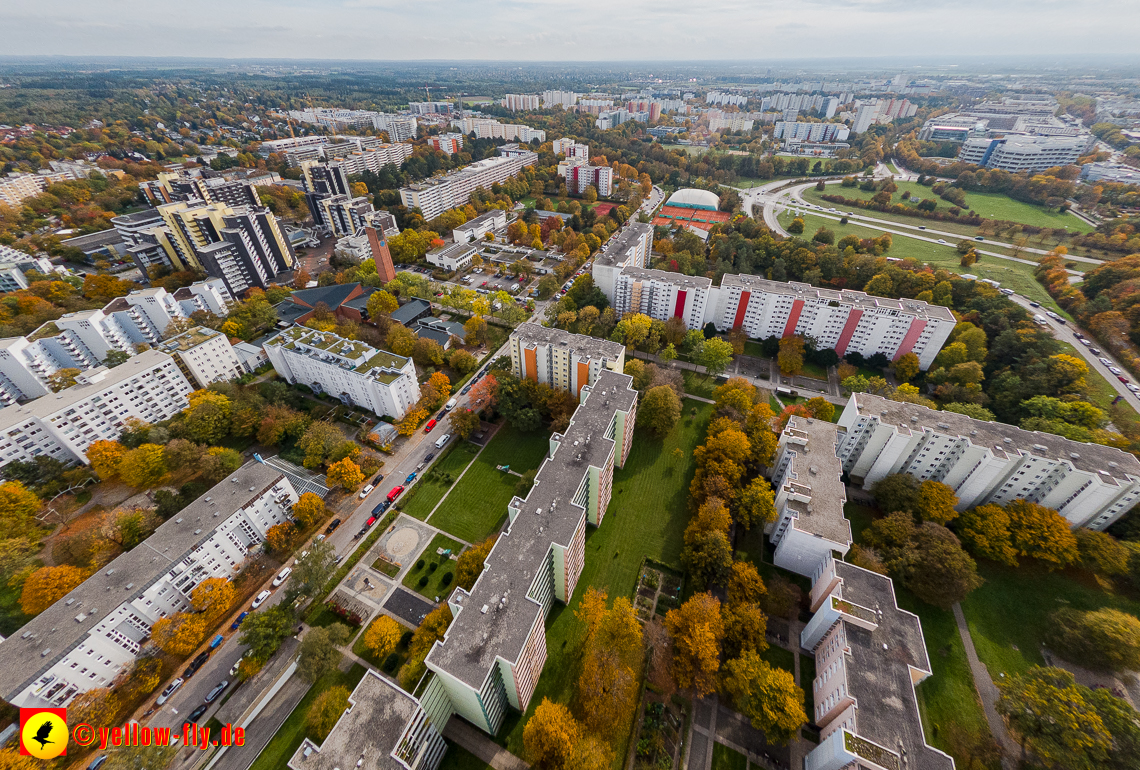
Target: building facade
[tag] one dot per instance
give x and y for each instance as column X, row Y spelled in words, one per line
column 457, row 256
column 435, row 196
column 579, row 175
column 1023, row 153
column 449, row 144
column 356, row 373
column 561, row 359
column 662, row 295
column 629, row 247
column 475, row 229
column 204, row 356
column 97, row 630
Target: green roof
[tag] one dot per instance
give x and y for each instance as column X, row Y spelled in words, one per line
column 351, row 350
column 190, row 339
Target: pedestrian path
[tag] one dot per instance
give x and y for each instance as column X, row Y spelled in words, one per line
column 480, row 744
column 987, row 691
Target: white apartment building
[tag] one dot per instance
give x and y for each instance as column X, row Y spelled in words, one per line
column 1115, row 173
column 809, row 497
column 662, row 295
column 475, row 229
column 731, row 122
column 520, row 102
column 96, row 632
column 148, row 387
column 356, row 373
column 14, row 188
column 435, row 196
column 579, row 175
column 1091, row 485
column 812, row 132
column 400, row 128
column 570, row 148
column 563, row 99
column 1023, row 153
column 561, row 359
column 457, row 256
column 205, row 356
column 629, row 247
column 489, row 128
column 374, row 158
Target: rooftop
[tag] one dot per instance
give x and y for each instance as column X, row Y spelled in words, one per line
column 190, row 339
column 482, row 219
column 617, row 247
column 665, row 276
column 410, row 310
column 497, row 615
column 60, row 628
column 690, row 197
column 592, row 347
column 816, row 470
column 351, row 355
column 1003, row 440
column 810, row 293
column 333, row 296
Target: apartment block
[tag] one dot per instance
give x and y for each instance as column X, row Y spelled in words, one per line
column 812, row 132
column 400, row 128
column 1024, row 153
column 570, row 148
column 204, row 356
column 869, row 657
column 356, row 373
column 848, row 321
column 435, row 196
column 186, row 185
column 662, row 295
column 731, row 122
column 449, row 143
column 475, row 229
column 489, row 128
column 628, row 247
column 14, row 188
column 492, row 655
column 1091, row 485
column 561, row 359
column 579, row 175
column 148, row 387
column 97, row 630
column 809, row 496
column 520, row 102
column 563, row 99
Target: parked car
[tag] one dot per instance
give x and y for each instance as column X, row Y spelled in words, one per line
column 429, row 426
column 1095, row 351
column 360, row 534
column 364, row 492
column 236, row 623
column 261, row 597
column 214, row 693
column 320, row 537
column 411, row 477
column 395, row 492
column 170, row 688
column 332, row 527
column 1115, row 370
column 195, row 664
column 1134, row 387
column 429, row 457
column 1078, row 335
column 197, row 713
column 379, row 508
column 217, row 640
column 370, row 522
column 1122, row 378
column 282, row 576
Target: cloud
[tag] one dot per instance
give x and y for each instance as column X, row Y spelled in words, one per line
column 552, row 30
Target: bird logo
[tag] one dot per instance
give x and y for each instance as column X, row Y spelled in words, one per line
column 43, row 733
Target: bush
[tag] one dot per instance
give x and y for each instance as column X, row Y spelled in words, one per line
column 390, row 663
column 422, row 581
column 447, row 579
column 406, row 639
column 433, row 566
column 419, row 565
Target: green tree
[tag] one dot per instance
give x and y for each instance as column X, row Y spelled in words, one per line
column 1101, row 553
column 897, row 492
column 768, row 696
column 319, row 653
column 264, row 631
column 659, row 410
column 715, row 356
column 941, row 573
column 328, row 707
column 1104, row 639
column 207, row 418
column 311, row 572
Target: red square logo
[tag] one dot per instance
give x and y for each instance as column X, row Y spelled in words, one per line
column 43, row 733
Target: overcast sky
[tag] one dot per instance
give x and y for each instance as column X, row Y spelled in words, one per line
column 581, row 30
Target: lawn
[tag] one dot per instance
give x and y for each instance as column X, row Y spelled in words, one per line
column 459, row 758
column 697, row 384
column 434, row 585
column 778, row 657
column 645, row 519
column 725, row 758
column 1009, row 614
column 437, row 479
column 1014, row 275
column 752, row 348
column 814, row 371
column 477, row 505
column 860, row 516
column 288, row 739
column 806, row 683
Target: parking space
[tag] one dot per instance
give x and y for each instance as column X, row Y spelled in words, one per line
column 407, row 606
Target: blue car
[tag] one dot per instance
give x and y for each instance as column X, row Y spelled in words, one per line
column 380, row 507
column 216, row 641
column 411, row 477
column 236, row 623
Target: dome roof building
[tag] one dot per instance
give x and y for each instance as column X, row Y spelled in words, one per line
column 690, row 198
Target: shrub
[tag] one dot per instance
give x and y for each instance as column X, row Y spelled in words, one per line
column 419, row 565
column 447, row 579
column 433, row 566
column 422, row 581
column 406, row 639
column 390, row 663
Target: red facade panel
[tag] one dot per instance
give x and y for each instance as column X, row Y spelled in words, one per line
column 793, row 318
column 679, row 309
column 848, row 331
column 916, row 327
column 741, row 309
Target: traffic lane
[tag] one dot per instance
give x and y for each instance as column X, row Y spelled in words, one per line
column 193, row 693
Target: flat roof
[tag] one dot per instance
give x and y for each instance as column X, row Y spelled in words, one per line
column 57, row 629
column 190, row 339
column 665, row 276
column 816, row 467
column 482, row 219
column 622, row 241
column 592, row 347
column 862, row 299
column 1110, row 464
column 547, row 515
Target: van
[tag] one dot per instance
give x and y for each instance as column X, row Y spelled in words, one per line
column 1040, row 319
column 450, row 405
column 282, row 576
column 429, row 426
column 441, row 442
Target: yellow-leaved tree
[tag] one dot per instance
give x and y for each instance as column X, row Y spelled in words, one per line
column 179, row 634
column 383, row 636
column 346, row 474
column 47, row 585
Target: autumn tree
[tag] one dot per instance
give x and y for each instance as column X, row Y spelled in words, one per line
column 475, row 331
column 484, row 393
column 346, row 474
column 401, row 340
column 309, row 509
column 1101, row 553
column 984, row 531
column 756, row 505
column 180, row 634
column 744, row 621
column 1104, row 639
column 218, row 462
column 768, row 696
column 659, row 410
column 820, row 408
column 63, row 379
column 551, row 736
column 1041, row 533
column 611, row 660
column 697, row 630
column 18, row 506
column 470, row 563
column 464, row 422
column 906, row 367
column 143, row 467
column 213, row 597
column 383, row 636
column 207, row 418
column 279, row 537
column 105, row 457
column 47, row 585
column 319, row 653
column 381, row 303
column 791, row 355
column 411, row 420
column 328, row 707
column 715, row 356
column 935, row 502
column 707, row 552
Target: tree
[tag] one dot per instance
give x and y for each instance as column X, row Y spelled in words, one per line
column 105, row 457
column 207, row 418
column 462, row 361
column 715, row 356
column 791, row 355
column 309, row 509
column 551, row 736
column 63, row 379
column 312, row 571
column 935, row 502
column 1054, row 718
column 464, row 422
column 768, row 696
column 475, row 331
column 319, row 653
column 279, row 537
column 821, row 408
column 1101, row 553
column 797, row 226
column 383, row 636
column 697, row 630
column 1104, row 639
column 897, row 492
column 756, row 505
column 612, row 655
column 470, row 563
column 941, row 573
column 401, row 340
column 143, row 467
column 411, row 420
column 880, row 285
column 179, row 634
column 326, row 710
column 659, row 410
column 47, row 585
column 381, row 303
column 115, row 358
column 213, row 597
column 264, row 631
column 985, row 532
column 219, row 462
column 346, row 474
column 1041, row 533
column 906, row 367
column 301, row 279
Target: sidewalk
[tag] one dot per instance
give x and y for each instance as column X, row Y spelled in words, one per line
column 480, row 744
column 988, row 692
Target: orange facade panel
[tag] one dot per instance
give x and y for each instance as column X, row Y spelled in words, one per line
column 530, row 358
column 583, row 378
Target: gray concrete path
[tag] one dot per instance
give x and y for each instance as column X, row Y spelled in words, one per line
column 480, row 744
column 987, row 691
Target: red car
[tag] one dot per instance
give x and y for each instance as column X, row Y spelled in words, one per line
column 429, row 426
column 370, row 522
column 1123, row 379
column 392, row 495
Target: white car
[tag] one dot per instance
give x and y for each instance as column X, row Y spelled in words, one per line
column 261, row 597
column 169, row 691
column 1105, row 361
column 940, row 240
column 364, row 492
column 1133, row 387
column 282, row 576
column 1086, row 343
column 1115, row 370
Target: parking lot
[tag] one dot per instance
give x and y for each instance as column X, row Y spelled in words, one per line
column 406, row 605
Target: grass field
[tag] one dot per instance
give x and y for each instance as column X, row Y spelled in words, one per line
column 778, row 657
column 478, row 503
column 697, row 384
column 444, row 566
column 1014, row 275
column 429, row 490
column 459, row 758
column 814, row 371
column 725, row 758
column 289, row 737
column 646, row 518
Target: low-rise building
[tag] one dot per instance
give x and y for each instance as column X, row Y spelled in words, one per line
column 457, row 256
column 475, row 229
column 204, row 355
column 561, row 359
column 356, row 373
column 97, row 630
column 1091, row 485
column 1115, row 173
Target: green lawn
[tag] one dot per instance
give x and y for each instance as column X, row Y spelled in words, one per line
column 752, row 348
column 477, row 505
column 292, row 732
column 778, row 657
column 646, row 518
column 814, row 371
column 807, row 678
column 725, row 758
column 1014, row 275
column 860, row 516
column 459, row 758
column 444, row 566
column 437, row 479
column 697, row 384
column 1009, row 614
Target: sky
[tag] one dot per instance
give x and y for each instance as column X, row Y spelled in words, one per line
column 567, row 30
